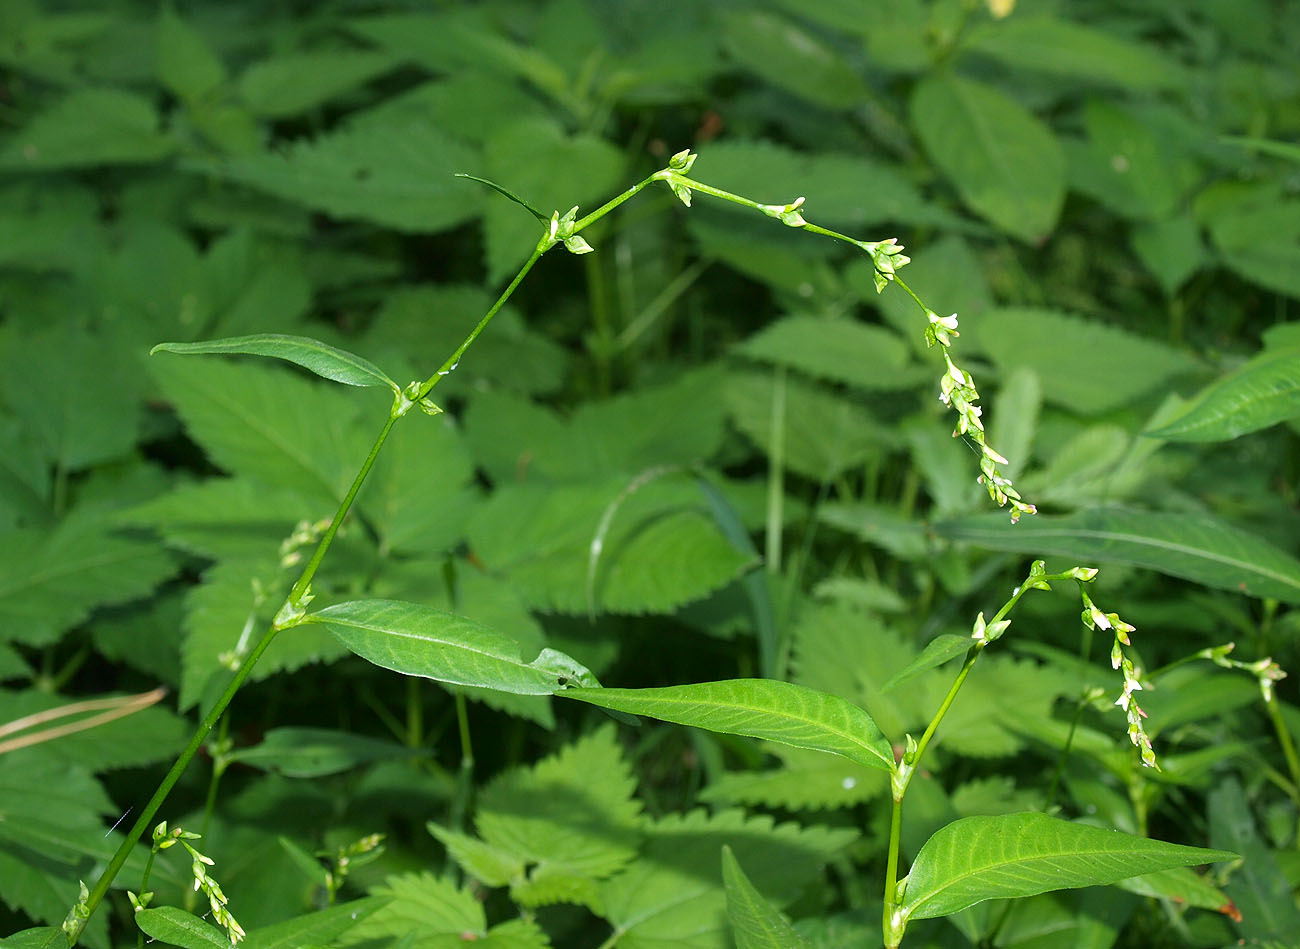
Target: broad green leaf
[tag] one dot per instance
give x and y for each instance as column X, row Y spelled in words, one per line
column 41, row 937
column 292, row 83
column 1004, row 162
column 806, row 781
column 1172, row 250
column 1015, row 418
column 322, row 927
column 398, row 177
column 1181, row 885
column 785, row 55
column 674, row 895
column 1014, row 855
column 937, row 651
column 335, row 364
column 755, row 922
column 842, row 350
column 880, row 526
column 1084, row 366
column 315, row 752
column 1261, row 892
column 187, row 66
column 423, row 641
column 434, row 912
column 1072, row 50
column 172, row 926
column 1125, row 166
column 267, row 424
column 1191, row 546
column 1256, row 228
column 1262, row 392
column 50, row 581
column 760, row 708
column 87, row 128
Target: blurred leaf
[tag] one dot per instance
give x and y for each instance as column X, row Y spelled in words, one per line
column 755, row 922
column 315, row 752
column 1262, row 392
column 89, row 127
column 843, row 350
column 1171, row 249
column 789, row 57
column 1004, row 162
column 1085, row 366
column 1083, row 53
column 293, row 83
column 1256, row 229
column 981, row 858
column 1193, row 547
column 1124, row 165
column 1257, row 887
column 187, row 66
column 321, row 927
column 398, row 177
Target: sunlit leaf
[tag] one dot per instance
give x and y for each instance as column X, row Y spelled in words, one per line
column 1260, row 393
column 755, row 922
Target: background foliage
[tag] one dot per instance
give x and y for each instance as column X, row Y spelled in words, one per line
column 1103, row 192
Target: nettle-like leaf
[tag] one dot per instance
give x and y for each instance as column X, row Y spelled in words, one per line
column 1005, row 163
column 804, row 781
column 1084, row 366
column 755, row 922
column 825, row 432
column 89, row 127
column 560, row 826
column 784, row 54
column 673, row 895
column 1262, row 392
column 426, row 910
column 1191, row 546
column 52, row 580
column 1015, row 855
column 398, row 177
column 536, row 159
column 424, row 641
column 292, row 83
column 760, row 708
column 841, row 350
column 663, row 547
column 266, row 424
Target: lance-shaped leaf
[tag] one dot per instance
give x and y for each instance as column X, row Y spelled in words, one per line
column 760, row 708
column 1014, row 855
column 172, row 926
column 423, row 641
column 337, row 365
column 755, row 922
column 1258, row 394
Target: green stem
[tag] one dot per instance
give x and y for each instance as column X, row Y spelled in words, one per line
column 890, row 926
column 464, row 781
column 1288, row 748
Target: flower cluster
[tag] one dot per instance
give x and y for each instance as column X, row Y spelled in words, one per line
column 164, row 838
column 887, row 257
column 1094, row 618
column 1265, row 670
column 957, row 389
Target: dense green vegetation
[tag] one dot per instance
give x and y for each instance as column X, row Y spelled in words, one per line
column 706, row 442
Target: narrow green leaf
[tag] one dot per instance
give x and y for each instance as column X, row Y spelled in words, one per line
column 423, row 641
column 938, row 651
column 1190, row 546
column 507, row 192
column 337, row 365
column 760, row 708
column 1264, row 391
column 755, row 922
column 321, row 927
column 175, row 927
column 1005, row 163
column 1014, row 855
column 314, row 752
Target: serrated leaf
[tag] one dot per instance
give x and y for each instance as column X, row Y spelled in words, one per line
column 807, row 780
column 673, row 896
column 1005, row 163
column 1086, row 367
column 398, row 177
column 172, row 926
column 1193, row 547
column 326, row 361
column 842, row 350
column 755, row 922
column 89, row 127
column 267, row 424
column 293, row 83
column 315, row 752
column 1063, row 48
column 50, row 581
column 760, row 708
column 787, row 56
column 1262, row 392
column 880, row 526
column 491, row 866
column 1014, row 855
column 423, row 641
column 423, row 910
